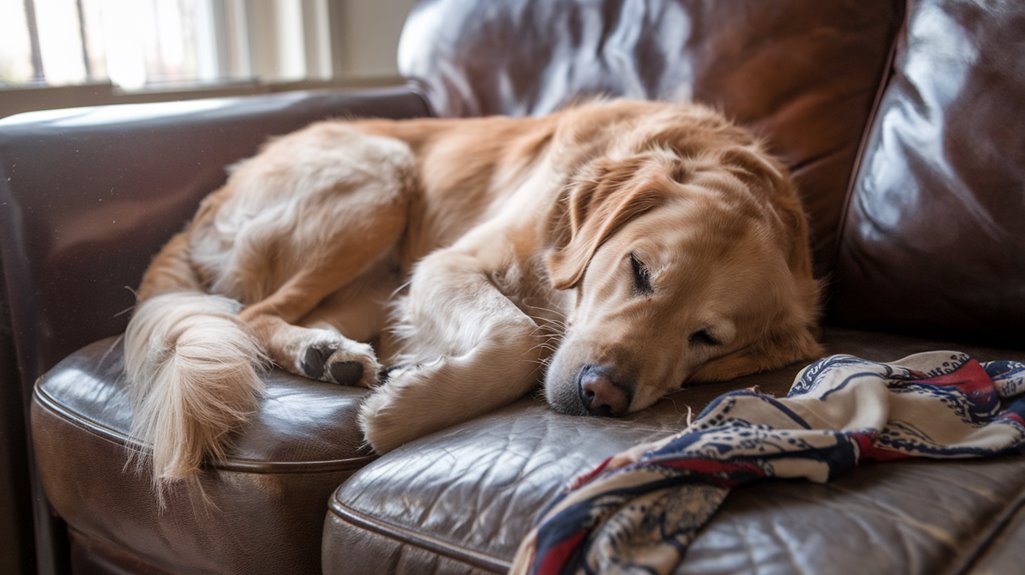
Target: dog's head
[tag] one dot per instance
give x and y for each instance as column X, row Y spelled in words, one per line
column 687, row 251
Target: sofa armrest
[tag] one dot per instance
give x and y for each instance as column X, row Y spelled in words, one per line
column 15, row 492
column 88, row 196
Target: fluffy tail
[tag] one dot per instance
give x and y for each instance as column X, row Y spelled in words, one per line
column 193, row 371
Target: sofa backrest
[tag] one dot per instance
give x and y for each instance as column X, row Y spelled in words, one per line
column 900, row 125
column 934, row 238
column 804, row 73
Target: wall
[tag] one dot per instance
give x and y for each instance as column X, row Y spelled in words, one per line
column 369, row 36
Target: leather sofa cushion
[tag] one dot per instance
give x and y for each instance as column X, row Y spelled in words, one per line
column 934, row 238
column 460, row 501
column 803, row 73
column 259, row 511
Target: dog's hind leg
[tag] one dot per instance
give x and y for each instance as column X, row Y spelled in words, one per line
column 490, row 354
column 339, row 224
column 308, row 326
column 329, row 343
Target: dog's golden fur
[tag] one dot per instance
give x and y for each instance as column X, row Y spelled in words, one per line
column 612, row 251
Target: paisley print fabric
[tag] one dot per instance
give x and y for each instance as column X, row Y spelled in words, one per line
column 638, row 510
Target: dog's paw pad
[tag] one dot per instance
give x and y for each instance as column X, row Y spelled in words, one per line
column 337, row 360
column 346, row 372
column 315, row 359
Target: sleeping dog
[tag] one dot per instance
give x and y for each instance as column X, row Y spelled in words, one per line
column 611, row 252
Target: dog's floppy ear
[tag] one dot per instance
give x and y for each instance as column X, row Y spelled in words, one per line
column 777, row 349
column 760, row 169
column 591, row 208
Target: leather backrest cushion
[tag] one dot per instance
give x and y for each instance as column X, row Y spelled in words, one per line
column 803, row 73
column 935, row 237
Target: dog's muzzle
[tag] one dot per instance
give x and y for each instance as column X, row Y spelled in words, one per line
column 601, row 392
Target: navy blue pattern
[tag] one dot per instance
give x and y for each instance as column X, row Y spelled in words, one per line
column 638, row 511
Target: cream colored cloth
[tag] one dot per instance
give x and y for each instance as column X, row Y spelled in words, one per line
column 638, row 510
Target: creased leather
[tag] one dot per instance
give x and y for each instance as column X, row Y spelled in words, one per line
column 474, row 490
column 258, row 511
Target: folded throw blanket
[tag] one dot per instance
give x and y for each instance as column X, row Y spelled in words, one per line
column 637, row 511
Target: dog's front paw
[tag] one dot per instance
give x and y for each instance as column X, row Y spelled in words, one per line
column 334, row 358
column 378, row 421
column 400, row 410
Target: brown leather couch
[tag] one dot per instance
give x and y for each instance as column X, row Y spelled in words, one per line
column 900, row 122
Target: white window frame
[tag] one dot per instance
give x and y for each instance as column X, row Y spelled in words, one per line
column 287, row 57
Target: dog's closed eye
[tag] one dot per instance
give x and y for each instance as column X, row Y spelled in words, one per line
column 702, row 337
column 641, row 276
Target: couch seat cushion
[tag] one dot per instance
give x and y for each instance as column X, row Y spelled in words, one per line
column 460, row 501
column 259, row 511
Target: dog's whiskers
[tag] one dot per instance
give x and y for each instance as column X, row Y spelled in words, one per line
column 544, row 346
column 559, row 316
column 554, row 329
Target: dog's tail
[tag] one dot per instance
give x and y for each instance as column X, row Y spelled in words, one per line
column 193, row 367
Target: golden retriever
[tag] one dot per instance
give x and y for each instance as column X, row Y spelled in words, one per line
column 611, row 251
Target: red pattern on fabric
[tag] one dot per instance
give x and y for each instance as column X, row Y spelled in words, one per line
column 558, row 556
column 970, row 378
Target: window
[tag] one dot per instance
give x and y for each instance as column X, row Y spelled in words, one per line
column 61, row 53
column 135, row 44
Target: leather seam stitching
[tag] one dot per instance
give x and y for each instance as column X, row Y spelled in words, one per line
column 885, row 79
column 972, row 558
column 48, row 402
column 411, row 537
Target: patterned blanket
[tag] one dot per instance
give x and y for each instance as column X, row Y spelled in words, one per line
column 637, row 511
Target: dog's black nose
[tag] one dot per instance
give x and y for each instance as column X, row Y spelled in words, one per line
column 601, row 392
